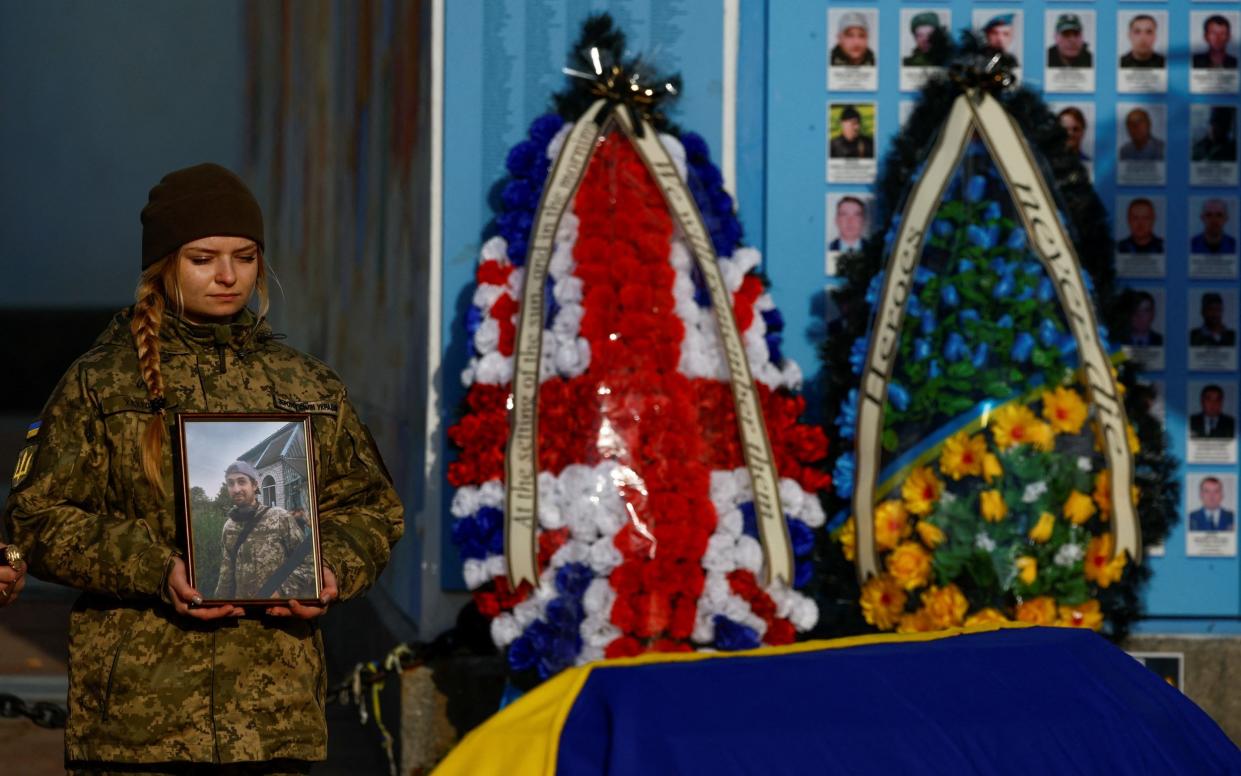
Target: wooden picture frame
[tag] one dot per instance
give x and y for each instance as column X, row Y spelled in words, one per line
column 249, row 507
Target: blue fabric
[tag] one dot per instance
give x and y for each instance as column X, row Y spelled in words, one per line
column 1035, row 700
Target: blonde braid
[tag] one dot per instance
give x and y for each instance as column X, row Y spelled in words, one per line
column 150, row 300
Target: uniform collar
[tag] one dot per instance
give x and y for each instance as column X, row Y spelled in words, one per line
column 182, row 335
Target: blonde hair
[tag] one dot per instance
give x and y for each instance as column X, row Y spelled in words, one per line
column 159, row 287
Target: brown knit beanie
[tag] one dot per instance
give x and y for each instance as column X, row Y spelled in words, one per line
column 200, row 201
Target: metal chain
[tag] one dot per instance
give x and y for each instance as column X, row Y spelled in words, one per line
column 42, row 713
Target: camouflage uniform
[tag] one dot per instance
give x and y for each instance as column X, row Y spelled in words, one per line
column 245, row 569
column 147, row 685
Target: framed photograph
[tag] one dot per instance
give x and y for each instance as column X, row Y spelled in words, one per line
column 1141, row 129
column 1143, row 37
column 1003, row 29
column 249, row 507
column 1070, row 42
column 1213, row 47
column 1139, row 230
column 853, row 34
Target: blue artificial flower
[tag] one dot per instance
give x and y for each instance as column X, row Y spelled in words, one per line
column 521, row 654
column 948, row 295
column 803, row 572
column 1032, row 268
column 523, row 159
column 928, row 324
column 1016, row 239
column 898, row 396
column 517, row 250
column 749, row 521
column 695, row 147
column 857, row 354
column 934, row 369
column 708, row 174
column 1048, row 333
column 970, row 315
column 801, row 536
column 873, row 289
column 518, row 193
column 980, row 356
column 842, row 475
column 965, row 265
column 1004, row 287
column 913, row 308
column 572, row 579
column 1087, row 281
column 473, row 319
column 837, row 520
column 846, row 421
column 773, row 319
column 560, row 654
column 1023, row 346
column 1005, row 321
column 564, row 613
column 544, row 128
column 955, row 348
column 992, row 212
column 731, row 636
column 1027, row 292
column 1067, row 344
column 976, row 188
column 979, row 236
column 1001, row 266
column 471, row 543
column 942, row 227
column 541, row 635
column 922, row 276
column 773, row 348
column 1046, row 291
column 553, row 307
column 922, row 349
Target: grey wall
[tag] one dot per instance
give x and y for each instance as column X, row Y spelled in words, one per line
column 97, row 100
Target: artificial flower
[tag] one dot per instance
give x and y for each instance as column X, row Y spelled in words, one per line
column 1101, row 567
column 921, row 490
column 945, row 606
column 1083, row 615
column 1134, row 445
column 883, row 600
column 910, row 565
column 991, row 468
column 963, row 455
column 1041, row 531
column 1027, row 569
column 1039, row 611
column 891, row 524
column 1042, row 436
column 1103, row 492
column 915, row 622
column 930, row 534
column 1064, row 409
column 1012, row 424
column 1079, row 507
column 991, row 504
column 847, row 536
column 985, row 617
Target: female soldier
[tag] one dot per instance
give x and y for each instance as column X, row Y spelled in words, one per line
column 158, row 683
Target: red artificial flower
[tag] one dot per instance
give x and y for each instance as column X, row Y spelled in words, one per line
column 493, row 273
column 780, row 632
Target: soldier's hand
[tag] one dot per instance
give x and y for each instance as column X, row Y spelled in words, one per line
column 11, row 583
column 309, row 611
column 187, row 601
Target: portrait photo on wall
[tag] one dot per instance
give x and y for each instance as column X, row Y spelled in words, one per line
column 1003, row 29
column 851, row 128
column 1213, row 329
column 1070, row 42
column 1213, row 237
column 853, row 34
column 1078, row 121
column 1142, row 39
column 1141, row 130
column 1211, row 515
column 1143, row 335
column 848, row 223
column 925, row 43
column 1213, row 47
column 1141, row 250
column 1212, row 427
column 249, row 509
column 1213, row 145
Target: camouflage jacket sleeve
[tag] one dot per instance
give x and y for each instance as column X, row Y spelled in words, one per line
column 56, row 514
column 360, row 516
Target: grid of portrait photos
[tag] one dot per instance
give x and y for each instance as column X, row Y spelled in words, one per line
column 1147, row 92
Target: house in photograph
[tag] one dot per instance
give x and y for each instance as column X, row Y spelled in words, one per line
column 281, row 462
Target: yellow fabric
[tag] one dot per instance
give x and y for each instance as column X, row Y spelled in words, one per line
column 524, row 738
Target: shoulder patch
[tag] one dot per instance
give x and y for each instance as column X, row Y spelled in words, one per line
column 25, row 462
column 32, row 430
column 289, row 404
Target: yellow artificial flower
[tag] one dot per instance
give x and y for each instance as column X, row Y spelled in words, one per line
column 1011, row 425
column 1041, row 531
column 930, row 534
column 1134, row 445
column 917, row 622
column 910, row 565
column 1040, row 611
column 1027, row 569
column 1079, row 508
column 1103, row 492
column 991, row 504
column 921, row 490
column 985, row 617
column 1100, row 566
column 963, row 455
column 1064, row 409
column 883, row 601
column 891, row 524
column 1084, row 615
column 847, row 536
column 945, row 606
column 1042, row 437
column 991, row 468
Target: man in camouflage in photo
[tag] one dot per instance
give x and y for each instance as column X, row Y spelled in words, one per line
column 262, row 545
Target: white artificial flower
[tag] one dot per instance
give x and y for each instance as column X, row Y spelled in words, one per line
column 1068, row 554
column 721, row 554
column 488, row 336
column 1083, row 463
column 589, row 654
column 747, row 258
column 465, row 501
column 749, row 553
column 984, row 542
column 604, row 556
column 556, row 144
column 676, row 151
column 792, row 497
column 598, row 598
column 494, row 369
column 1033, row 491
column 568, row 290
column 486, row 294
column 572, row 551
column 504, row 630
column 730, row 522
column 496, row 566
column 475, row 573
column 704, row 628
column 495, row 249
